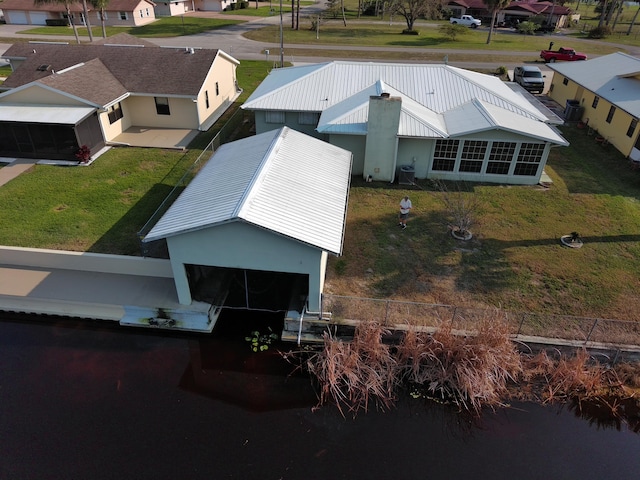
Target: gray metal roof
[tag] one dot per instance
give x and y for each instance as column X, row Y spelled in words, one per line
column 53, row 114
column 280, row 172
column 429, row 92
column 614, row 77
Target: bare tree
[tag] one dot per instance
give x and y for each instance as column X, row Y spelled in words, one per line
column 412, row 10
column 67, row 6
column 633, row 22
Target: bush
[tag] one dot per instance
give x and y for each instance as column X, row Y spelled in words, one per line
column 244, row 5
column 600, row 32
column 501, row 71
column 406, row 31
column 528, row 28
column 451, row 31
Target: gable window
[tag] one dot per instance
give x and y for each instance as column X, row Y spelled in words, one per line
column 596, row 99
column 500, row 157
column 473, row 152
column 632, row 127
column 217, row 89
column 565, row 81
column 274, row 117
column 162, row 106
column 445, row 154
column 308, row 118
column 141, row 13
column 147, row 10
column 115, row 113
column 529, row 158
column 612, row 110
column 206, row 98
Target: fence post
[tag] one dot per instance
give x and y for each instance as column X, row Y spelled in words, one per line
column 524, row 315
column 386, row 313
column 593, row 327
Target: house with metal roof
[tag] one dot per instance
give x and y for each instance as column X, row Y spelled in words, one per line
column 259, row 219
column 60, row 97
column 121, row 13
column 606, row 95
column 412, row 121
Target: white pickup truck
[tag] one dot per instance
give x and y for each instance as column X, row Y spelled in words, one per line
column 467, row 20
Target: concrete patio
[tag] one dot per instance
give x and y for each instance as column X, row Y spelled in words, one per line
column 172, row 138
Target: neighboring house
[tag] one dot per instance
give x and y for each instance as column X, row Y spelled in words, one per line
column 212, row 5
column 436, row 121
column 271, row 206
column 515, row 12
column 94, row 93
column 608, row 90
column 117, row 13
column 169, row 8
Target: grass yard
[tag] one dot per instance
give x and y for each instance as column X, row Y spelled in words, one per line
column 163, row 27
column 515, row 260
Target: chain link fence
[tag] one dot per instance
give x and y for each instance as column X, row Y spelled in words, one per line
column 561, row 327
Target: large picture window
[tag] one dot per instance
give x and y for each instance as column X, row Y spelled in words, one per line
column 529, row 159
column 500, row 158
column 115, row 113
column 162, row 106
column 274, row 117
column 444, row 157
column 473, row 153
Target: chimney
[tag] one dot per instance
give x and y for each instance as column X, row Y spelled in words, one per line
column 382, row 137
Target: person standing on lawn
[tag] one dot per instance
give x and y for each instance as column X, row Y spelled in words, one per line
column 405, row 207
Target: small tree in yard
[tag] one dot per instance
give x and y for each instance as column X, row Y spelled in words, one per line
column 451, row 32
column 528, row 28
column 461, row 207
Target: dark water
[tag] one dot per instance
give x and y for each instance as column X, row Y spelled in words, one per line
column 80, row 401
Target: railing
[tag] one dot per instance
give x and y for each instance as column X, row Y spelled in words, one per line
column 562, row 327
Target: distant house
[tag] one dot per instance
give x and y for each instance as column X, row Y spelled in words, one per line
column 433, row 121
column 117, row 13
column 168, row 8
column 60, row 97
column 514, row 13
column 263, row 213
column 212, row 5
column 607, row 91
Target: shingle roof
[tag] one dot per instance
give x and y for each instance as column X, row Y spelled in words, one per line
column 614, row 77
column 279, row 169
column 150, row 70
column 341, row 90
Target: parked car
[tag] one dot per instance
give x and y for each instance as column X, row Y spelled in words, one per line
column 530, row 78
column 563, row 53
column 467, row 20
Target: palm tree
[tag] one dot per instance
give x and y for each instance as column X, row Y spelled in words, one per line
column 102, row 5
column 67, row 5
column 494, row 6
column 85, row 12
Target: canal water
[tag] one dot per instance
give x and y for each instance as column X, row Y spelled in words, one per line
column 81, row 400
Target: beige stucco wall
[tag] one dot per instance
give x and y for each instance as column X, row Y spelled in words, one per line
column 222, row 72
column 38, row 95
column 142, row 110
column 110, row 131
column 134, row 18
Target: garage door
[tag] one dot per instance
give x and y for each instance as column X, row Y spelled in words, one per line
column 16, row 18
column 38, row 18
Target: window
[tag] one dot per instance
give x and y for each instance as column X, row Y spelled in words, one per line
column 596, row 99
column 612, row 110
column 565, row 81
column 529, row 159
column 147, row 11
column 162, row 106
column 274, row 117
column 473, row 152
column 217, row 89
column 103, row 16
column 500, row 157
column 632, row 127
column 444, row 157
column 308, row 118
column 123, row 15
column 206, row 98
column 141, row 13
column 115, row 113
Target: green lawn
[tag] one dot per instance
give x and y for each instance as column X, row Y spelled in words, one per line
column 163, row 27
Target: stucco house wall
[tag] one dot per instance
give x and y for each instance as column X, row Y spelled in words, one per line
column 182, row 113
column 37, row 95
column 219, row 88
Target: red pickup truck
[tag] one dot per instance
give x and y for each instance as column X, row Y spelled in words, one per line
column 568, row 54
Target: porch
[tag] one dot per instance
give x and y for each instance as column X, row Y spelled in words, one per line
column 171, row 138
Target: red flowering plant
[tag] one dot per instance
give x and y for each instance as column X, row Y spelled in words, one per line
column 83, row 154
